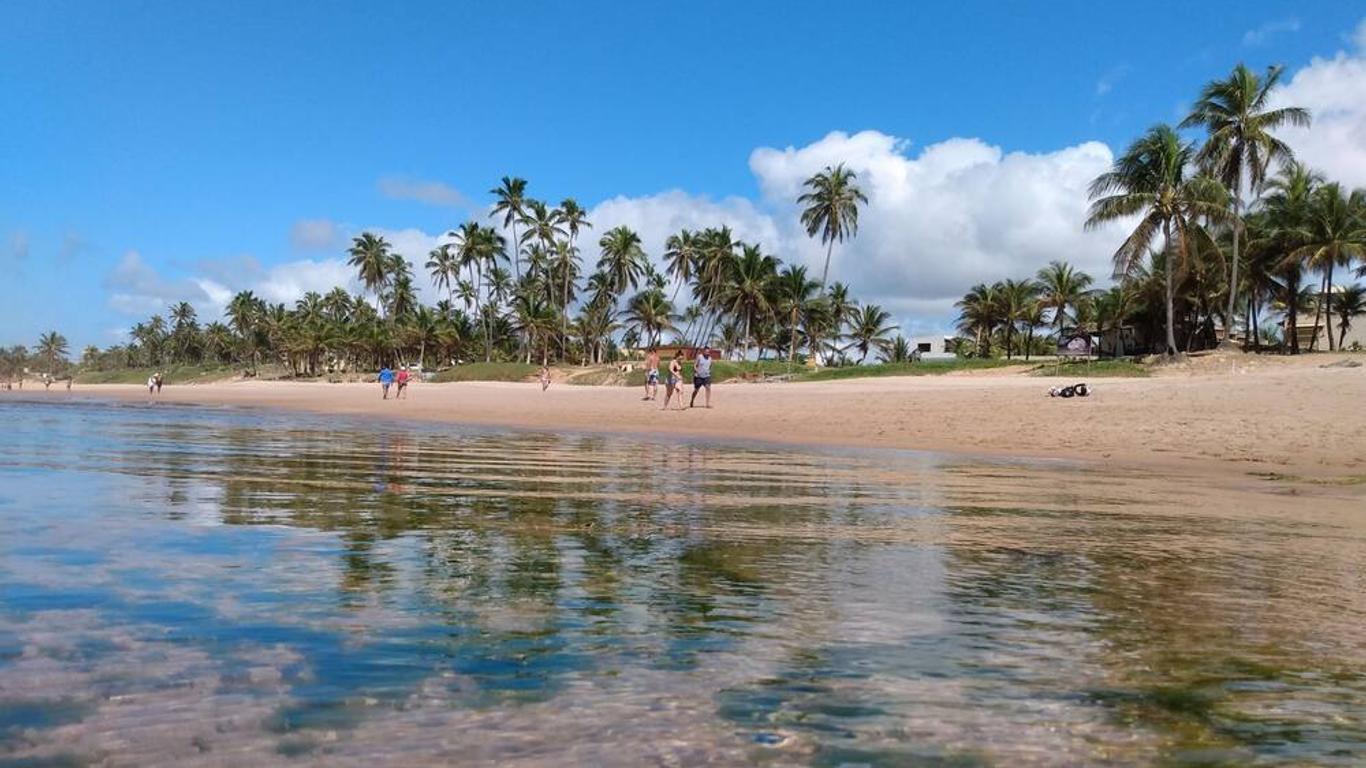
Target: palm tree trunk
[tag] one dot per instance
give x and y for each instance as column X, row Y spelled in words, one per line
column 1318, row 312
column 1233, row 270
column 825, row 271
column 1328, row 307
column 1169, row 269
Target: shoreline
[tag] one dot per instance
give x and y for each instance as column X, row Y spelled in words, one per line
column 1249, row 416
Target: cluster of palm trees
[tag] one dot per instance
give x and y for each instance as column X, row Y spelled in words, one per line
column 1005, row 316
column 50, row 358
column 1232, row 226
column 527, row 297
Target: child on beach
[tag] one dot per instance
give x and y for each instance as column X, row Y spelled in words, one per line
column 675, row 382
column 386, row 380
column 403, row 377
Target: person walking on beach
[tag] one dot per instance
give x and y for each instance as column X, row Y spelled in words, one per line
column 701, row 376
column 158, row 381
column 386, row 380
column 675, row 382
column 651, row 374
column 403, row 377
column 544, row 376
column 152, row 384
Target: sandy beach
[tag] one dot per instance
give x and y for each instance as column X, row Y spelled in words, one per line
column 1290, row 416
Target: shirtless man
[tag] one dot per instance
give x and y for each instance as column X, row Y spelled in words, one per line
column 651, row 374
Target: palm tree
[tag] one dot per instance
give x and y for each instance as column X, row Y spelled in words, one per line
column 574, row 218
column 1287, row 213
column 747, row 293
column 898, row 352
column 511, row 194
column 623, row 259
column 444, row 268
column 370, row 255
column 1150, row 180
column 651, row 313
column 1112, row 309
column 1016, row 297
column 979, row 313
column 680, row 258
column 1241, row 146
column 831, row 209
column 244, row 312
column 793, row 292
column 1333, row 235
column 1060, row 287
column 870, row 330
column 52, row 348
column 1350, row 302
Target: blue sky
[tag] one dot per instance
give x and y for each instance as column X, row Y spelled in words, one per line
column 200, row 136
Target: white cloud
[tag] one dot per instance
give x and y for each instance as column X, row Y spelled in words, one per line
column 137, row 289
column 959, row 212
column 1334, row 91
column 315, row 235
column 423, row 191
column 655, row 217
column 1270, row 29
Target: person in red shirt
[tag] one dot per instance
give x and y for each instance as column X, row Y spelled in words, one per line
column 403, row 377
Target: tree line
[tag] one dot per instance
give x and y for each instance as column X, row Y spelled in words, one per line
column 530, row 297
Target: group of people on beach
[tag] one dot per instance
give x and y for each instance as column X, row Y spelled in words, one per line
column 388, row 378
column 701, row 378
column 673, row 384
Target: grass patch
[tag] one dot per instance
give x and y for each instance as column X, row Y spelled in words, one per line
column 489, row 372
column 1096, row 369
column 171, row 374
column 922, row 368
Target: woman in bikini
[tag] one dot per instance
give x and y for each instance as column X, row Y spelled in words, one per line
column 675, row 382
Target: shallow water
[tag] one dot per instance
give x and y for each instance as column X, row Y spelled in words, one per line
column 218, row 587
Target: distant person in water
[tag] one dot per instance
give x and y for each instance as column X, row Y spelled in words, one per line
column 651, row 374
column 701, row 376
column 403, row 377
column 545, row 377
column 674, row 384
column 386, row 380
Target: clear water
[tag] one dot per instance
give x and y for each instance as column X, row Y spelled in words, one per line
column 217, row 587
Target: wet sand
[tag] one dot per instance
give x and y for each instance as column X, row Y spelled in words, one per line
column 1287, row 416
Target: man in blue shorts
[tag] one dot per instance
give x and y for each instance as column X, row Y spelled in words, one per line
column 386, row 380
column 701, row 376
column 651, row 374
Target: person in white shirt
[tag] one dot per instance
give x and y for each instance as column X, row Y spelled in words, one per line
column 701, row 376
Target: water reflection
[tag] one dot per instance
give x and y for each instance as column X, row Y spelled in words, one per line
column 191, row 585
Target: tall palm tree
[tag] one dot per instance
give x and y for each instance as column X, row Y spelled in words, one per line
column 1060, row 287
column 575, row 219
column 831, row 209
column 511, row 194
column 1241, row 144
column 370, row 255
column 623, row 259
column 1286, row 210
column 793, row 291
column 52, row 348
column 1150, row 180
column 1333, row 236
column 1016, row 297
column 871, row 330
column 681, row 254
column 444, row 267
column 747, row 293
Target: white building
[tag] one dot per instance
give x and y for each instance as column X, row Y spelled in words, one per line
column 932, row 347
